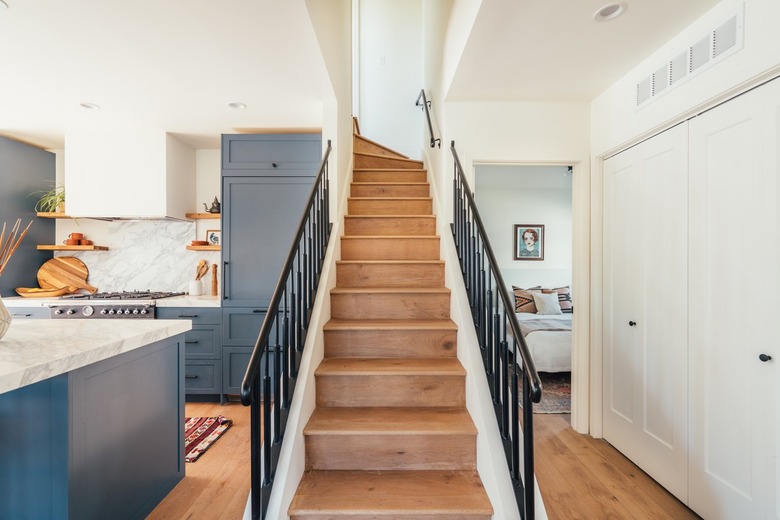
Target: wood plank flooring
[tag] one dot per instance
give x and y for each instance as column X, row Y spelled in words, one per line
column 217, row 484
column 580, row 477
column 585, row 478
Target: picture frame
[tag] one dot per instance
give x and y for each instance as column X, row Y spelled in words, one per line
column 529, row 241
column 214, row 237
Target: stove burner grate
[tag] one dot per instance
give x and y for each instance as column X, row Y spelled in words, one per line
column 122, row 295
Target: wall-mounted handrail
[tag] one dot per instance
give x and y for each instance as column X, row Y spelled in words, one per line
column 427, row 108
column 493, row 309
column 268, row 383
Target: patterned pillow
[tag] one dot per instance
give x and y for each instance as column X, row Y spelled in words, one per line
column 524, row 300
column 564, row 298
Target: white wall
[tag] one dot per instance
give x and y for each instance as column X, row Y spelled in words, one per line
column 504, row 202
column 391, row 73
column 615, row 118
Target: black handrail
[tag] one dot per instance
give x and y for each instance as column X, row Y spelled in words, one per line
column 493, row 309
column 427, row 107
column 268, row 385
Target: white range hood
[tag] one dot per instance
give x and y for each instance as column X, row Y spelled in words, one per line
column 130, row 174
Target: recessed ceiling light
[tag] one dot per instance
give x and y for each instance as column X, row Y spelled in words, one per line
column 610, row 11
column 237, row 105
column 87, row 104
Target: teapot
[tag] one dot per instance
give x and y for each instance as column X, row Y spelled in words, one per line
column 215, row 206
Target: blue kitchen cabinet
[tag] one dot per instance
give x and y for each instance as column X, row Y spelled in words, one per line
column 203, row 348
column 24, row 169
column 249, row 153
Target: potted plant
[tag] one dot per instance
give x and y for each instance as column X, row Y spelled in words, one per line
column 51, row 201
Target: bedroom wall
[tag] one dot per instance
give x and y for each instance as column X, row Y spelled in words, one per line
column 509, row 195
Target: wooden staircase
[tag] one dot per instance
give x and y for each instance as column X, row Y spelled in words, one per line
column 390, row 436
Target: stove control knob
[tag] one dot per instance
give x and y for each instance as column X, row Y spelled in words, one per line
column 143, row 311
column 103, row 311
column 88, row 311
column 58, row 311
column 70, row 312
column 127, row 311
column 135, row 311
column 111, row 312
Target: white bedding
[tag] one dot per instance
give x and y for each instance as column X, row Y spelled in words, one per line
column 551, row 349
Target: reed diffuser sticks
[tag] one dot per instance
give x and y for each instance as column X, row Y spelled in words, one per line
column 9, row 244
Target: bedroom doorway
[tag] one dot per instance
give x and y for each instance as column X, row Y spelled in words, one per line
column 516, row 198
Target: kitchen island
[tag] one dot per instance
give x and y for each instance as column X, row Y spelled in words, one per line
column 91, row 417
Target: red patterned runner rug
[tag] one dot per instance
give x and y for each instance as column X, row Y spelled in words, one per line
column 200, row 433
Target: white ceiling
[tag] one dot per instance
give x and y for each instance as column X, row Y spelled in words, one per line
column 176, row 64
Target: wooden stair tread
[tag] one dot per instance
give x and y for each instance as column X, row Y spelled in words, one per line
column 390, row 494
column 399, row 237
column 390, row 290
column 378, row 421
column 386, row 170
column 390, row 366
column 390, row 183
column 388, row 199
column 391, row 262
column 383, row 147
column 341, row 324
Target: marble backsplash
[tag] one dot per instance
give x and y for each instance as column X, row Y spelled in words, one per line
column 147, row 254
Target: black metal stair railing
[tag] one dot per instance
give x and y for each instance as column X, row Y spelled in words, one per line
column 269, row 381
column 508, row 369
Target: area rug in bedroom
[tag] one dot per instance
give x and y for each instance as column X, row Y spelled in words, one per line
column 556, row 393
column 200, row 433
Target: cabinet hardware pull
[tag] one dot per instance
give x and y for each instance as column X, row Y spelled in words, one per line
column 273, row 164
column 765, row 358
column 21, row 315
column 225, row 285
column 256, row 311
column 631, row 323
column 188, row 315
column 191, row 342
column 190, row 377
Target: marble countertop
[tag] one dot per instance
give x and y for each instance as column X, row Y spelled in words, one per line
column 34, row 350
column 175, row 301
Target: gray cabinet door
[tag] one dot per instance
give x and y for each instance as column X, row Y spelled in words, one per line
column 260, row 218
column 272, row 153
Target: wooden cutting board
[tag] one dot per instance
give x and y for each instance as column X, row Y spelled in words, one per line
column 65, row 271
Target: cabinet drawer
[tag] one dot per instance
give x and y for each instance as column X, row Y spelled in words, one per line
column 203, row 377
column 242, row 325
column 202, row 342
column 272, row 152
column 30, row 313
column 198, row 315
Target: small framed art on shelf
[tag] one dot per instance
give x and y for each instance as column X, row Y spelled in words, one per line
column 214, row 237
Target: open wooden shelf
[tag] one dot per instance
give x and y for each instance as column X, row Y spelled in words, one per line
column 197, row 216
column 72, row 248
column 203, row 248
column 52, row 214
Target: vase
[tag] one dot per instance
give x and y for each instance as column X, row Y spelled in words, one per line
column 5, row 319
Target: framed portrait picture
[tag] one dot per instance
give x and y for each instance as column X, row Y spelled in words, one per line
column 529, row 242
column 214, row 236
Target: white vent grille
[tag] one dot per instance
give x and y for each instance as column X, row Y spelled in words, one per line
column 660, row 79
column 722, row 41
column 724, row 37
column 678, row 67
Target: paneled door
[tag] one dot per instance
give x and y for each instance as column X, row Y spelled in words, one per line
column 645, row 306
column 734, row 307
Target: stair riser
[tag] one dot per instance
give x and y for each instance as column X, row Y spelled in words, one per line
column 390, row 275
column 389, row 190
column 373, row 161
column 391, row 390
column 390, row 207
column 391, row 343
column 363, row 146
column 373, row 306
column 356, row 226
column 390, row 248
column 411, row 451
column 390, row 176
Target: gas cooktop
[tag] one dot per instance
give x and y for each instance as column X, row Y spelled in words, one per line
column 122, row 295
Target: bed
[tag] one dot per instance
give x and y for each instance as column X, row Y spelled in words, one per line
column 546, row 327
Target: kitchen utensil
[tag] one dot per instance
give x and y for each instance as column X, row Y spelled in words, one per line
column 39, row 292
column 196, row 288
column 203, row 268
column 213, row 279
column 65, row 271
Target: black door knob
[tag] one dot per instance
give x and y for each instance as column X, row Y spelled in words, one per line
column 631, row 323
column 764, row 358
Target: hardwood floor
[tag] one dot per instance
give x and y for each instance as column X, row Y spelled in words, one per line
column 217, row 484
column 585, row 478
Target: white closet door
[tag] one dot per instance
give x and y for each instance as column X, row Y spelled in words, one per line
column 734, row 311
column 645, row 301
